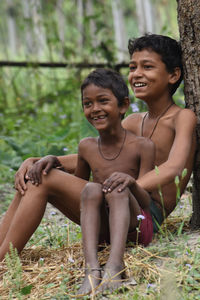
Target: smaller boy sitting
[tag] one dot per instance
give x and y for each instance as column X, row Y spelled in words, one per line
column 111, row 215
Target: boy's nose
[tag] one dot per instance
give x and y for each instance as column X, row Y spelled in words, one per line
column 137, row 72
column 96, row 107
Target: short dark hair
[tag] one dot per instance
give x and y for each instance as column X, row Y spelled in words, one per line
column 107, row 79
column 168, row 48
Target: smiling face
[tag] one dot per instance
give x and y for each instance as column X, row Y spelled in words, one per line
column 101, row 108
column 148, row 76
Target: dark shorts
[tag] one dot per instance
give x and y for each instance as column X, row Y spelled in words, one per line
column 157, row 216
column 145, row 230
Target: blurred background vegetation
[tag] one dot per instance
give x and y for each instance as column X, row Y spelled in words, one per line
column 40, row 108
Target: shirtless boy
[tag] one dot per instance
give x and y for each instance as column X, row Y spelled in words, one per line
column 155, row 73
column 111, row 215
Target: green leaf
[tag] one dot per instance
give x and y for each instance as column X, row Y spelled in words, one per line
column 180, row 228
column 184, row 173
column 177, row 181
column 26, row 290
column 156, row 170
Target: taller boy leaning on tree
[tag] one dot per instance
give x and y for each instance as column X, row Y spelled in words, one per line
column 155, row 73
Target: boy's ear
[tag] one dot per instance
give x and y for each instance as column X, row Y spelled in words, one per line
column 175, row 75
column 124, row 107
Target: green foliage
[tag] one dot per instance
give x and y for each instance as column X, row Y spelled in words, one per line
column 40, row 108
column 13, row 277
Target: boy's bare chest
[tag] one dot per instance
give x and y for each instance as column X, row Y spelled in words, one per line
column 101, row 168
column 162, row 135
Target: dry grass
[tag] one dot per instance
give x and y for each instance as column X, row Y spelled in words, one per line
column 163, row 266
column 52, row 272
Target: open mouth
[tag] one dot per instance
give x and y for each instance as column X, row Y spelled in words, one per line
column 98, row 118
column 139, row 84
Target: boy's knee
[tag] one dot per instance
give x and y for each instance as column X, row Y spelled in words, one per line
column 92, row 191
column 31, row 188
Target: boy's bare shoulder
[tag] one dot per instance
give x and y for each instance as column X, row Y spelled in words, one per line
column 131, row 122
column 185, row 117
column 87, row 143
column 182, row 112
column 142, row 142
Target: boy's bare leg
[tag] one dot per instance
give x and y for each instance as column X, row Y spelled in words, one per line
column 123, row 208
column 7, row 218
column 25, row 213
column 91, row 204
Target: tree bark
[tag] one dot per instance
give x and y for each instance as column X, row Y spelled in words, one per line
column 189, row 27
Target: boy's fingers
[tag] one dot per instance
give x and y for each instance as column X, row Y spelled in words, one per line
column 35, row 174
column 122, row 187
column 21, row 187
column 114, row 185
column 48, row 167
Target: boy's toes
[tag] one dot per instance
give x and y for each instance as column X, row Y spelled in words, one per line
column 91, row 281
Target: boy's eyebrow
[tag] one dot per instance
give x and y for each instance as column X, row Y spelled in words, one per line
column 144, row 61
column 97, row 95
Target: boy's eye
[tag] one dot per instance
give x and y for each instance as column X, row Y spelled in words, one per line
column 87, row 103
column 132, row 68
column 104, row 100
column 148, row 66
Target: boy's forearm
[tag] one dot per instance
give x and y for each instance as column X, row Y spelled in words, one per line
column 141, row 195
column 69, row 162
column 153, row 179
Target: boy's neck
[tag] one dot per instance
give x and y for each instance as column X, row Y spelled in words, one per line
column 156, row 108
column 111, row 136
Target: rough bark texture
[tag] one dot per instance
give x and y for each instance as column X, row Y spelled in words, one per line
column 189, row 27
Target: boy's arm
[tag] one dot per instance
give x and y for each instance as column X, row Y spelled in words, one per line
column 69, row 162
column 82, row 168
column 183, row 146
column 33, row 168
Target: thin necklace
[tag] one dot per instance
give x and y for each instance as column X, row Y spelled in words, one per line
column 158, row 118
column 120, row 150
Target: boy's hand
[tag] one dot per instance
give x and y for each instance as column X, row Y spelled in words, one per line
column 21, row 175
column 42, row 166
column 122, row 180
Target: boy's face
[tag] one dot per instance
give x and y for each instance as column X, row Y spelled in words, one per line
column 100, row 107
column 148, row 76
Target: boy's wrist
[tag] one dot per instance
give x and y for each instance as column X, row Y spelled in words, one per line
column 58, row 165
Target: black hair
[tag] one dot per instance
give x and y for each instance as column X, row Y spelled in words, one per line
column 168, row 48
column 107, row 79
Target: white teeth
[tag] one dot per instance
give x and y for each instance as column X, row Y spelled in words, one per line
column 100, row 117
column 139, row 84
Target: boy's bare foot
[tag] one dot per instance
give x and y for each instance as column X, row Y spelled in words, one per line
column 112, row 279
column 91, row 281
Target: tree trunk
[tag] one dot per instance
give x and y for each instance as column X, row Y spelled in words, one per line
column 28, row 28
column 61, row 24
column 189, row 27
column 61, row 20
column 145, row 17
column 120, row 34
column 90, row 12
column 38, row 28
column 80, row 23
column 11, row 26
